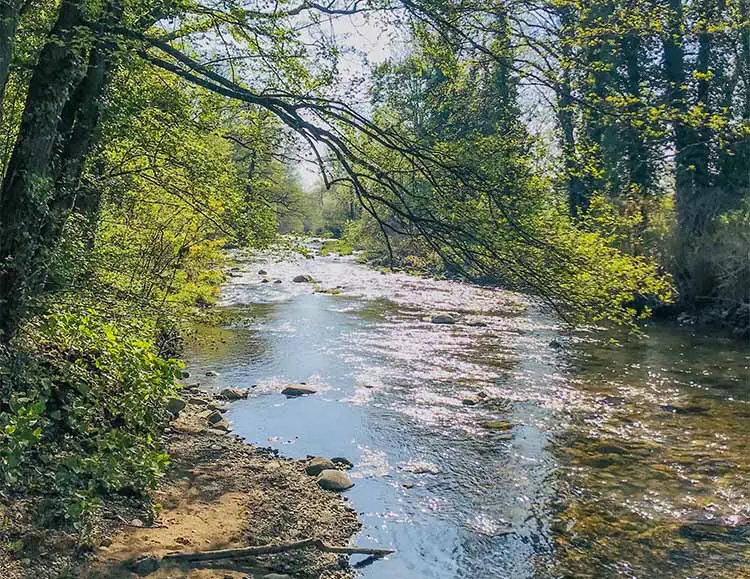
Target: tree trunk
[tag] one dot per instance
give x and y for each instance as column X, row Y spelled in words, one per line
column 30, row 181
column 578, row 198
column 10, row 11
column 638, row 162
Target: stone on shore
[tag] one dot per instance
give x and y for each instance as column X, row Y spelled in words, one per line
column 175, row 406
column 222, row 425
column 232, row 394
column 334, row 480
column 214, row 418
column 296, row 390
column 318, row 465
column 262, row 272
column 303, row 278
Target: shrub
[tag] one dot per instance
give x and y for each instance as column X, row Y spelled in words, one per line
column 82, row 411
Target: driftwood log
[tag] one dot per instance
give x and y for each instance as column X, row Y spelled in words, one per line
column 243, row 552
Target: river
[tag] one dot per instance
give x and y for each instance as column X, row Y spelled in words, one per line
column 629, row 460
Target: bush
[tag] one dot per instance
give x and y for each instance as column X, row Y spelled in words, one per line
column 82, row 411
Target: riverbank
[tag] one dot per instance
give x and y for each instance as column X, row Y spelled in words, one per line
column 218, row 493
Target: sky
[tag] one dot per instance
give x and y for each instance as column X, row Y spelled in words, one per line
column 367, row 41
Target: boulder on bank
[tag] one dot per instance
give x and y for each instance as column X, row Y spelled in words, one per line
column 295, row 390
column 232, row 394
column 443, row 319
column 262, row 272
column 334, row 480
column 303, row 278
column 318, row 465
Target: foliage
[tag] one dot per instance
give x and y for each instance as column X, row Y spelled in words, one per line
column 83, row 411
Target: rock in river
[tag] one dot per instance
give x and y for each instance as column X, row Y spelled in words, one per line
column 498, row 425
column 443, row 319
column 262, row 272
column 303, row 278
column 297, row 390
column 318, row 465
column 342, row 462
column 232, row 394
column 334, row 480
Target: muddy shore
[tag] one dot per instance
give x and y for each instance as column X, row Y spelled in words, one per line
column 219, row 493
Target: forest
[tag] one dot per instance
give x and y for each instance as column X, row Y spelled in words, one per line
column 593, row 155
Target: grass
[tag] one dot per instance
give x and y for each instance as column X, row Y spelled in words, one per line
column 339, row 246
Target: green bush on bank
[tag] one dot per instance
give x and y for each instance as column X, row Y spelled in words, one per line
column 82, row 411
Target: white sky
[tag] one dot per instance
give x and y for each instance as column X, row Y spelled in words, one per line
column 365, row 42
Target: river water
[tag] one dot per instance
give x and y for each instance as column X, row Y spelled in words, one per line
column 628, row 460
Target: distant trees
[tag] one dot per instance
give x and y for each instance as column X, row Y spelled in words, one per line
column 647, row 97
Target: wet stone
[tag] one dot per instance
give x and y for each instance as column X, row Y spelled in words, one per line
column 342, row 462
column 501, row 425
column 298, row 390
column 232, row 394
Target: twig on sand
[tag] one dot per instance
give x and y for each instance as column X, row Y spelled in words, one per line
column 270, row 549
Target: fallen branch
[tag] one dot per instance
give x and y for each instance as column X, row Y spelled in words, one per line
column 271, row 549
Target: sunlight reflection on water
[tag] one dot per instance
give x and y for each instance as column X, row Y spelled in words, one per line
column 608, row 462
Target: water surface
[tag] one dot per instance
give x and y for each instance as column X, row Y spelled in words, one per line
column 622, row 461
